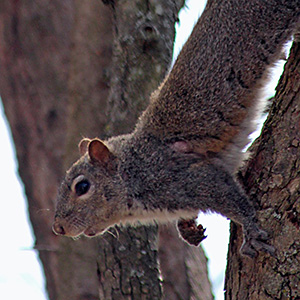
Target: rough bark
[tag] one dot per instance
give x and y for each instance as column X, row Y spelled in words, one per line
column 139, row 64
column 271, row 178
column 59, row 82
column 183, row 268
column 34, row 57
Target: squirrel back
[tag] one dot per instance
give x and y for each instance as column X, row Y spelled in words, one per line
column 186, row 146
column 225, row 63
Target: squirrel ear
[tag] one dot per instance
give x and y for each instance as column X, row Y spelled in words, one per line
column 98, row 151
column 83, row 146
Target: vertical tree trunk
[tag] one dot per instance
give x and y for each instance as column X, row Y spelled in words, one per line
column 272, row 180
column 184, row 268
column 79, row 68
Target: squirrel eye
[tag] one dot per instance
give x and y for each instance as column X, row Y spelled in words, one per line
column 82, row 187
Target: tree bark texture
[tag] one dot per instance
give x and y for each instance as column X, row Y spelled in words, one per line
column 272, row 179
column 71, row 69
column 183, row 268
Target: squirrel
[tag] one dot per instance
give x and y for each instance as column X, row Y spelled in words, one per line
column 184, row 152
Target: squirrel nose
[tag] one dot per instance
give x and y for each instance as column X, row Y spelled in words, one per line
column 58, row 229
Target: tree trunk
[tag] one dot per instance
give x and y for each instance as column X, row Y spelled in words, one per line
column 183, row 267
column 81, row 68
column 271, row 178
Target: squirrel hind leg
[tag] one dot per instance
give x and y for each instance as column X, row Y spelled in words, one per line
column 255, row 240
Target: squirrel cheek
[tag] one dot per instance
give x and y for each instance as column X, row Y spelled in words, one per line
column 108, row 214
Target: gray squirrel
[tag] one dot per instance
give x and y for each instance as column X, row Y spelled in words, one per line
column 187, row 145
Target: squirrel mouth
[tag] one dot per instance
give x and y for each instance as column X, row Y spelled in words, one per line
column 90, row 232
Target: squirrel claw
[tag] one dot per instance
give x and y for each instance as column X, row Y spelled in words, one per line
column 190, row 232
column 251, row 248
column 255, row 241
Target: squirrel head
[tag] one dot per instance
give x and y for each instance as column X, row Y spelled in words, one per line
column 89, row 197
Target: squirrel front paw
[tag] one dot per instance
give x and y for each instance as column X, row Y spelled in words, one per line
column 190, row 232
column 255, row 240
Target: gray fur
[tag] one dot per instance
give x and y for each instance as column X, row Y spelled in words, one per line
column 182, row 156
